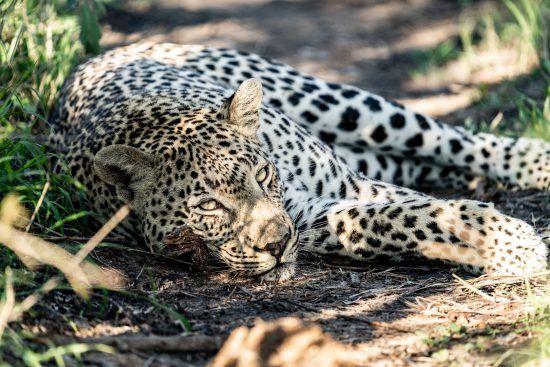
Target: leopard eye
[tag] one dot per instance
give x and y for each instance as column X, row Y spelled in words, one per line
column 262, row 174
column 210, row 205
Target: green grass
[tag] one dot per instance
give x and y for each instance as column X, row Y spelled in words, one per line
column 533, row 119
column 523, row 25
column 37, row 51
column 531, row 20
column 531, row 25
column 27, row 169
column 18, row 344
column 38, row 48
column 41, row 41
column 451, row 344
column 429, row 60
column 526, row 116
column 538, row 323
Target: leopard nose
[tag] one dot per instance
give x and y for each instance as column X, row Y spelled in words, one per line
column 278, row 247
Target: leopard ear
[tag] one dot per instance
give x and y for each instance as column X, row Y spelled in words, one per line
column 242, row 107
column 128, row 169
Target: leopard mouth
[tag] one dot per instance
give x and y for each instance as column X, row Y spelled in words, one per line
column 281, row 272
column 184, row 243
column 285, row 266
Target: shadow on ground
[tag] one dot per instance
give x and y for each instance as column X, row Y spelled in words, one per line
column 361, row 42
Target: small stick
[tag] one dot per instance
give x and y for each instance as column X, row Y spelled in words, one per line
column 509, row 279
column 9, row 303
column 101, row 234
column 33, row 299
column 78, row 239
column 39, row 203
column 178, row 343
column 302, row 305
column 474, row 289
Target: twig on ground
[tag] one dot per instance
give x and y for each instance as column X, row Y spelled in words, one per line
column 305, row 306
column 39, row 203
column 101, row 234
column 78, row 238
column 33, row 299
column 157, row 255
column 8, row 304
column 374, row 323
column 491, row 280
column 247, row 292
column 474, row 289
column 178, row 343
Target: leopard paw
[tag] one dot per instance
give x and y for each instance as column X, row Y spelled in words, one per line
column 516, row 251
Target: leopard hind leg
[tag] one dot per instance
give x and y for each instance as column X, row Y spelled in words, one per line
column 410, row 172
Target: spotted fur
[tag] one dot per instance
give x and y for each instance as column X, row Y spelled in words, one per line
column 181, row 134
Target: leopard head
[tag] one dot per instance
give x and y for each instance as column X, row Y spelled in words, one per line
column 208, row 175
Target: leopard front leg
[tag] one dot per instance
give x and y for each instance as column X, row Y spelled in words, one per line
column 463, row 232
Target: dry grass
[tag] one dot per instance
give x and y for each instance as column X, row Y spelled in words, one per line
column 35, row 252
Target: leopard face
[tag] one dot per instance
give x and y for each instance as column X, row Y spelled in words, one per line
column 212, row 179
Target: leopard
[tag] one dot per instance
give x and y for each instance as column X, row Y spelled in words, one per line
column 261, row 162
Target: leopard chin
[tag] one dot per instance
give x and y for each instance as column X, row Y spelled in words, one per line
column 280, row 273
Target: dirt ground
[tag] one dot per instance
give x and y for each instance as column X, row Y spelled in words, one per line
column 395, row 315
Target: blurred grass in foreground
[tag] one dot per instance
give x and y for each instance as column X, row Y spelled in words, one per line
column 34, row 253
